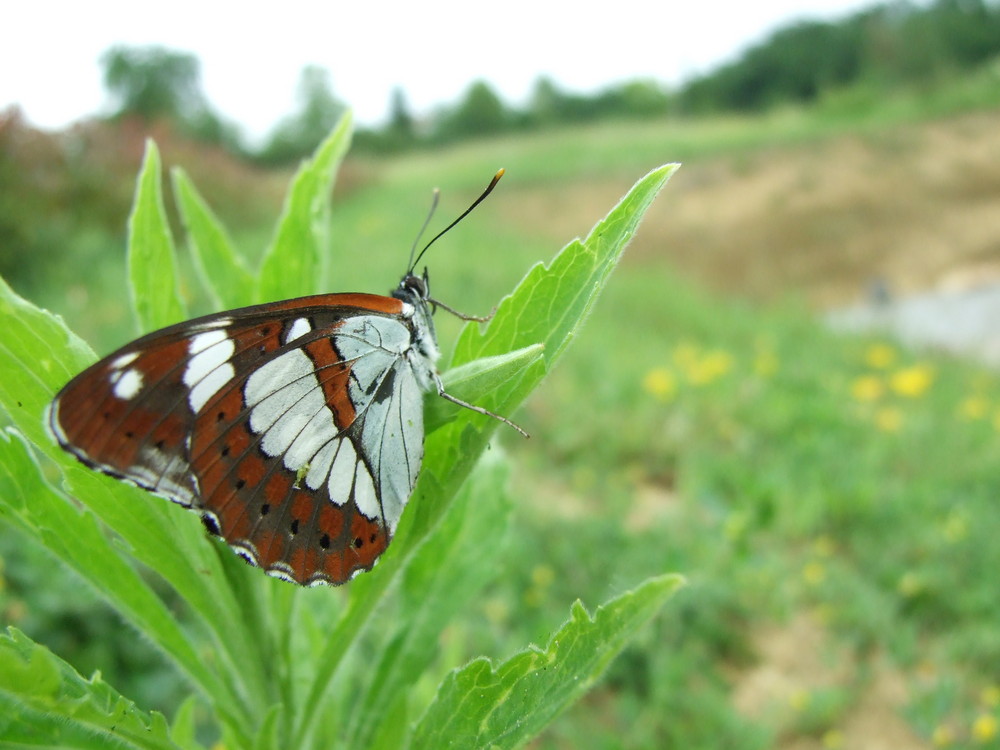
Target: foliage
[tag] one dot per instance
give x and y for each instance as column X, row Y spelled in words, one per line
column 891, row 44
column 633, row 99
column 480, row 112
column 51, row 195
column 274, row 665
column 298, row 134
column 876, row 50
column 154, row 83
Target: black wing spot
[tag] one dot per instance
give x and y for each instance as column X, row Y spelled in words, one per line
column 225, row 450
column 374, row 536
column 264, row 509
column 358, row 542
column 324, row 541
column 220, row 416
column 241, row 483
column 158, row 445
column 295, row 527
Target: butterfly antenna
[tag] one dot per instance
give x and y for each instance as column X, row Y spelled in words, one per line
column 434, row 203
column 476, row 202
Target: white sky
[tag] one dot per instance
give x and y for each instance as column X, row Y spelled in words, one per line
column 251, row 55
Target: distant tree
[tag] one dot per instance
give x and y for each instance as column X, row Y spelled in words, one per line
column 548, row 103
column 154, row 82
column 888, row 44
column 400, row 119
column 970, row 29
column 637, row 98
column 795, row 63
column 481, row 112
column 910, row 44
column 297, row 135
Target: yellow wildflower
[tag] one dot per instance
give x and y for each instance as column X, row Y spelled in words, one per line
column 943, row 735
column 973, row 407
column 833, row 739
column 824, row 546
column 909, row 585
column 814, row 573
column 912, row 381
column 990, row 696
column 765, row 361
column 542, row 575
column 661, row 383
column 497, row 610
column 867, row 388
column 824, row 614
column 532, row 597
column 685, row 353
column 735, row 526
column 984, row 728
column 709, row 367
column 880, row 356
column 799, row 699
column 956, row 526
column 889, row 419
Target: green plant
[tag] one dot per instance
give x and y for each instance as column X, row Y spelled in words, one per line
column 271, row 664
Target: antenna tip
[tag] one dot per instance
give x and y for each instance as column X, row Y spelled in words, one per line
column 499, row 173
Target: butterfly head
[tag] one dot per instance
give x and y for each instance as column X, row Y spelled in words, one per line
column 415, row 291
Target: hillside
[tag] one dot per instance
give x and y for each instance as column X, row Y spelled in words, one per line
column 915, row 206
column 834, row 511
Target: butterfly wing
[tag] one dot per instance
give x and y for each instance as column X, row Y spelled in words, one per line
column 295, row 428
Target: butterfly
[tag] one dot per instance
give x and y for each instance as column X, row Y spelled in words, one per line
column 294, row 428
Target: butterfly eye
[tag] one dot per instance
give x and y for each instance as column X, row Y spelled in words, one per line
column 416, row 285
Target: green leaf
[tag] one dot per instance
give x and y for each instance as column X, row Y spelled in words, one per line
column 547, row 307
column 297, row 258
column 152, row 262
column 221, row 269
column 173, row 542
column 393, row 727
column 553, row 300
column 45, row 703
column 487, row 705
column 183, row 729
column 474, row 380
column 38, row 355
column 448, row 570
column 73, row 536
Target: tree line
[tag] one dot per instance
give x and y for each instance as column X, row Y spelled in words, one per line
column 887, row 45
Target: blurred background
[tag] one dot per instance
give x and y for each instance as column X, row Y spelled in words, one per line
column 787, row 393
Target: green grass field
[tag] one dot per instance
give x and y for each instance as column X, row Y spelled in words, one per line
column 832, row 500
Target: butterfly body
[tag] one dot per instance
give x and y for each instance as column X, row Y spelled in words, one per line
column 294, row 428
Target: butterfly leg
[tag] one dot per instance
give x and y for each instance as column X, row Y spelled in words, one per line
column 465, row 404
column 464, row 316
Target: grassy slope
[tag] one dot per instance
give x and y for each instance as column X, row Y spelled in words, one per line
column 826, row 496
column 795, row 476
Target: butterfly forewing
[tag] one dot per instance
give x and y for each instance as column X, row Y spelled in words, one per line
column 295, row 428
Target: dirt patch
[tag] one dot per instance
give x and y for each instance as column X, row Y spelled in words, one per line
column 812, row 694
column 911, row 207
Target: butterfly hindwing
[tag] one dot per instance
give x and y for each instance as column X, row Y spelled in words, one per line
column 295, row 428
